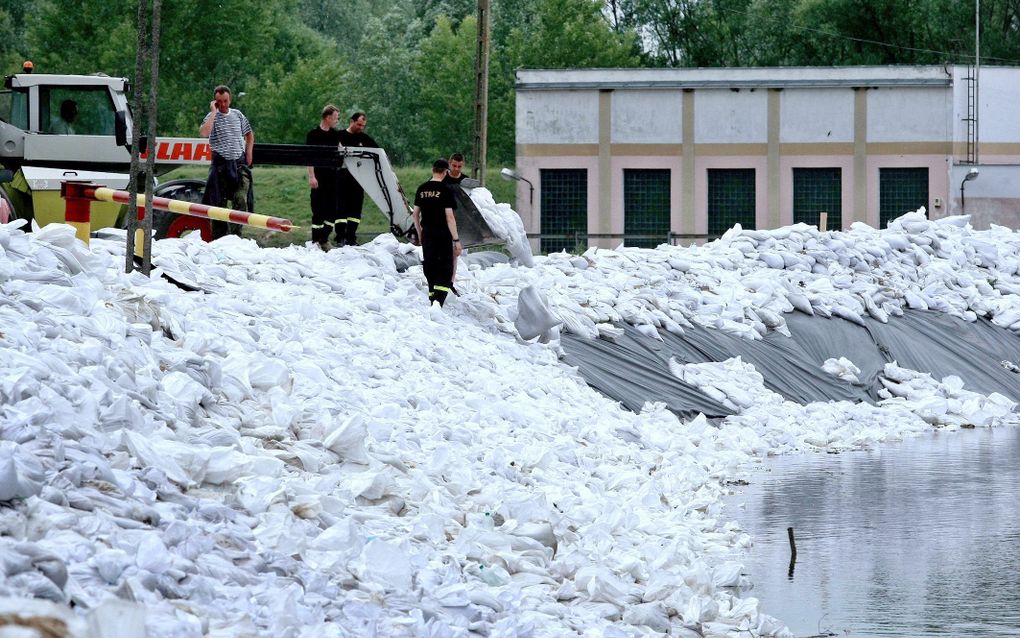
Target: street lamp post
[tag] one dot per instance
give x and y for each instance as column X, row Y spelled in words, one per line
column 971, row 175
column 512, row 176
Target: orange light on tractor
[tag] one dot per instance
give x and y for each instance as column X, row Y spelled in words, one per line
column 27, row 67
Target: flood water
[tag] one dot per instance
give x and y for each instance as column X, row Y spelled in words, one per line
column 917, row 538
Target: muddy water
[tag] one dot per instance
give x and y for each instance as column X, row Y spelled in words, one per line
column 919, row 538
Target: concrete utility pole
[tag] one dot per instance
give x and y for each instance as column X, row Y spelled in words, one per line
column 977, row 81
column 147, row 57
column 481, row 146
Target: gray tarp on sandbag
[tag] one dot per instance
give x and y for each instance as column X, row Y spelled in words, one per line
column 633, row 372
column 821, row 339
column 784, row 365
column 942, row 345
column 635, row 369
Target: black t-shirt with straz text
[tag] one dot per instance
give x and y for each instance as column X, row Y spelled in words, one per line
column 433, row 198
column 450, row 179
column 319, row 137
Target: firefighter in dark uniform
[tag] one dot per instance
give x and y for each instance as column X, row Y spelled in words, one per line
column 323, row 181
column 437, row 231
column 351, row 194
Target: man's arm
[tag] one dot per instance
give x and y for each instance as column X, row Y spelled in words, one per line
column 249, row 144
column 206, row 128
column 451, row 223
column 417, row 221
column 312, row 182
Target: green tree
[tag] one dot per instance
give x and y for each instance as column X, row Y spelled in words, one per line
column 557, row 34
column 286, row 104
column 385, row 85
column 447, row 90
column 13, row 51
column 820, row 32
column 344, row 26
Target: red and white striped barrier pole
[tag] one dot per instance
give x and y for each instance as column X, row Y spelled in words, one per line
column 217, row 213
column 80, row 195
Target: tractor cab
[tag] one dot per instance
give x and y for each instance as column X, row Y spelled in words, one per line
column 51, row 120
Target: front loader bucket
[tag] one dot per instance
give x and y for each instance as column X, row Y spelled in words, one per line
column 471, row 226
column 372, row 169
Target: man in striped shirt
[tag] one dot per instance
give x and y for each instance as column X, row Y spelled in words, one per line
column 231, row 141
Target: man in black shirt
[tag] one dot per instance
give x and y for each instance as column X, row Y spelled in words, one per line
column 437, row 231
column 323, row 181
column 352, row 196
column 454, row 176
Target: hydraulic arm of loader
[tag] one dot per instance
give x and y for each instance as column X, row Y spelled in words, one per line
column 371, row 168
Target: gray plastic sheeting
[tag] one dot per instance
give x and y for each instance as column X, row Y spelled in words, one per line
column 635, row 369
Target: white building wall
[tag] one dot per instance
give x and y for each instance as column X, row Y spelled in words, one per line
column 999, row 116
column 816, row 115
column 913, row 115
column 909, row 114
column 730, row 117
column 558, row 117
column 647, row 117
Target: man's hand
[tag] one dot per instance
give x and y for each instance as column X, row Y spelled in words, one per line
column 212, row 106
column 456, row 249
column 314, row 183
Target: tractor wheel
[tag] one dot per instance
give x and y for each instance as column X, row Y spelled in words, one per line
column 167, row 224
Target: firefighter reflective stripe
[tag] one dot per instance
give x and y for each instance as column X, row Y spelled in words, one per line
column 327, row 223
column 442, row 288
column 353, row 220
column 317, row 226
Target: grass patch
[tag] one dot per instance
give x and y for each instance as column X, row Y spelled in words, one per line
column 282, row 191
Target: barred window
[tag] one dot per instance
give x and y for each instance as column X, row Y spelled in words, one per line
column 730, row 199
column 564, row 209
column 646, row 207
column 901, row 190
column 817, row 190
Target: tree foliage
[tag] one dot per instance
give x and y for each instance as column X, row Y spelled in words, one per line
column 821, row 32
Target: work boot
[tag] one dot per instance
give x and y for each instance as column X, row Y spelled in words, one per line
column 323, row 246
column 339, row 242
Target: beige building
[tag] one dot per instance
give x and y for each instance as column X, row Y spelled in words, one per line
column 652, row 155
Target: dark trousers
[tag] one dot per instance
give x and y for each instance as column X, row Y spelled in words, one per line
column 349, row 218
column 229, row 185
column 437, row 248
column 324, row 213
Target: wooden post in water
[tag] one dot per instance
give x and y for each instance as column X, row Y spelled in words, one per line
column 793, row 551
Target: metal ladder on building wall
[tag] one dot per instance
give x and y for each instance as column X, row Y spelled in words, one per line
column 971, row 119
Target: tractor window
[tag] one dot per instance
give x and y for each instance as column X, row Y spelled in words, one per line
column 14, row 108
column 76, row 110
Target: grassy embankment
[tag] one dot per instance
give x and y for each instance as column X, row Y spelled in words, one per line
column 283, row 192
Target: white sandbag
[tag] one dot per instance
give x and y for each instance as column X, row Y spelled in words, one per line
column 534, row 319
column 347, row 438
column 21, row 474
column 384, row 563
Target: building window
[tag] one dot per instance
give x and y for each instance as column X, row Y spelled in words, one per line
column 818, row 190
column 901, row 190
column 730, row 199
column 564, row 209
column 646, row 207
